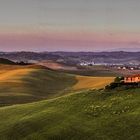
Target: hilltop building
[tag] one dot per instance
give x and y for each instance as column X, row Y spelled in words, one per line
column 132, row 79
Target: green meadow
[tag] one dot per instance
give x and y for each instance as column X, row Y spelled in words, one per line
column 89, row 115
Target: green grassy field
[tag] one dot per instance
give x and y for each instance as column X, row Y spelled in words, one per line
column 89, row 115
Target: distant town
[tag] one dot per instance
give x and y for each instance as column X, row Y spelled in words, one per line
column 118, row 66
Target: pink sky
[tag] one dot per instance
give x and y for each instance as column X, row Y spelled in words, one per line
column 74, row 41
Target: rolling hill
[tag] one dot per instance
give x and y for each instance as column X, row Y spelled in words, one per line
column 61, row 106
column 89, row 82
column 30, row 83
column 6, row 61
column 22, row 84
column 89, row 115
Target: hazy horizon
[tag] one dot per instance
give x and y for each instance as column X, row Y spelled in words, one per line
column 71, row 51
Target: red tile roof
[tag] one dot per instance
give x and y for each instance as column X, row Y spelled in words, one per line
column 136, row 75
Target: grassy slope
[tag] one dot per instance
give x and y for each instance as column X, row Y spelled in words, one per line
column 88, row 82
column 20, row 84
column 94, row 72
column 6, row 61
column 91, row 115
column 29, row 83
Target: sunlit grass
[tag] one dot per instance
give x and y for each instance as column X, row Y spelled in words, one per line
column 17, row 74
column 87, row 82
column 21, row 84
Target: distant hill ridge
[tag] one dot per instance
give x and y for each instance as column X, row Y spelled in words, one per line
column 6, row 61
column 76, row 57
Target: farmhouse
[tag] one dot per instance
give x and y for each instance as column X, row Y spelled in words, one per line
column 132, row 79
